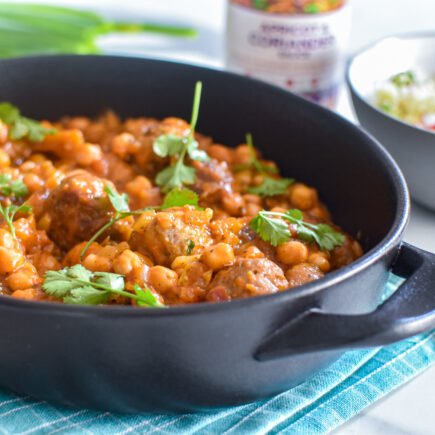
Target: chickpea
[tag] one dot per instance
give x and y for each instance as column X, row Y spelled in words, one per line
column 182, row 261
column 252, row 209
column 319, row 259
column 5, row 161
column 252, row 198
column 6, row 239
column 25, row 277
column 33, row 182
column 243, row 178
column 242, row 154
column 162, row 278
column 233, row 203
column 356, row 249
column 292, row 252
column 218, row 256
column 10, row 260
column 303, row 197
column 302, row 273
column 98, row 263
column 221, row 153
column 125, row 262
column 124, row 144
column 88, row 154
column 28, row 294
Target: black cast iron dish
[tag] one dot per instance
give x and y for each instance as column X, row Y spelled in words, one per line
column 207, row 355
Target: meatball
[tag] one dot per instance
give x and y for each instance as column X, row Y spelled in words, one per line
column 213, row 180
column 249, row 277
column 168, row 234
column 77, row 209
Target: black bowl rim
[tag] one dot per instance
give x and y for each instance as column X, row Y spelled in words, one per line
column 428, row 34
column 390, row 241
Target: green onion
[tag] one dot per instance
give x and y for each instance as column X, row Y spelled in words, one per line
column 35, row 28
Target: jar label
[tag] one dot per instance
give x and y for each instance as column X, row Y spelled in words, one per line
column 303, row 53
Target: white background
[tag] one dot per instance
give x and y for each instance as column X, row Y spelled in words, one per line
column 410, row 410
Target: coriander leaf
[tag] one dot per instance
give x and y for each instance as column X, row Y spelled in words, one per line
column 179, row 197
column 119, row 201
column 36, row 131
column 195, row 153
column 403, row 79
column 78, row 285
column 57, row 283
column 328, row 239
column 8, row 187
column 272, row 186
column 79, row 272
column 86, row 295
column 270, row 229
column 146, row 298
column 190, row 246
column 18, row 130
column 178, row 174
column 20, row 126
column 175, row 176
column 18, row 188
column 267, row 226
column 168, row 145
column 254, row 162
column 294, row 214
column 112, row 280
column 260, row 4
column 9, row 113
column 8, row 213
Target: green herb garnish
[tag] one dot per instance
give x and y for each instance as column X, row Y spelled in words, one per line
column 14, row 188
column 146, row 298
column 120, row 204
column 22, row 127
column 403, row 79
column 178, row 174
column 190, row 246
column 45, row 29
column 311, row 8
column 179, row 197
column 8, row 213
column 270, row 186
column 271, row 227
column 78, row 285
column 260, row 4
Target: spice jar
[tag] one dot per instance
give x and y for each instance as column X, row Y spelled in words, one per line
column 296, row 44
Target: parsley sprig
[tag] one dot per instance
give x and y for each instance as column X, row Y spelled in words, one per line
column 22, row 127
column 8, row 213
column 179, row 197
column 271, row 227
column 178, row 174
column 78, row 285
column 270, row 186
column 9, row 187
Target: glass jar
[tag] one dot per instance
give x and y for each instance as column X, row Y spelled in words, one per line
column 296, row 44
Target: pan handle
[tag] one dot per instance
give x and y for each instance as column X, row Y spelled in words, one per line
column 409, row 311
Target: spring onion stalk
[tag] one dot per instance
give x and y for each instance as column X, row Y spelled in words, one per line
column 42, row 29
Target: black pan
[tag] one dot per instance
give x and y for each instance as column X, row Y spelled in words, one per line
column 207, row 355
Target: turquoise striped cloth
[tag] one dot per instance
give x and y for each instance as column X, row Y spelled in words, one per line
column 317, row 406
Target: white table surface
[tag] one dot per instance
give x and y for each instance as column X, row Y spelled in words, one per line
column 410, row 409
